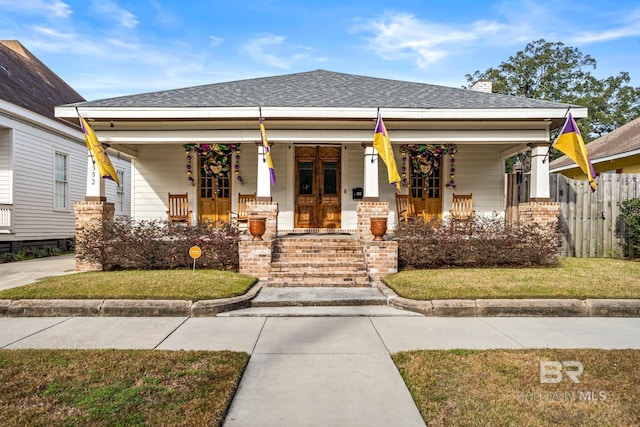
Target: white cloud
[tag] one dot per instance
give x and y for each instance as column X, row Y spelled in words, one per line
column 50, row 32
column 112, row 11
column 630, row 27
column 271, row 50
column 214, row 41
column 56, row 8
column 403, row 36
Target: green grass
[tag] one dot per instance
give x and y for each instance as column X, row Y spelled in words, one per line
column 117, row 388
column 572, row 278
column 502, row 387
column 147, row 284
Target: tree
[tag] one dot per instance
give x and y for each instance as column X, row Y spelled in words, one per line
column 555, row 72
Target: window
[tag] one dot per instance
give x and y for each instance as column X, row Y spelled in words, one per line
column 120, row 191
column 61, row 179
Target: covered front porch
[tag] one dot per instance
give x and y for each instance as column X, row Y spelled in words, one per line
column 318, row 184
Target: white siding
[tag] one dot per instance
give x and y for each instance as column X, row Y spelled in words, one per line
column 5, row 166
column 156, row 171
column 33, row 183
column 352, row 177
column 283, row 192
column 27, row 156
column 387, row 191
column 161, row 169
column 478, row 171
column 111, row 187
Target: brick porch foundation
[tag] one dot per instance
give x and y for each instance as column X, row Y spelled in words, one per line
column 541, row 213
column 90, row 213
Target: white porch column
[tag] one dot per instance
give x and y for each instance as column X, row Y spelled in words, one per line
column 95, row 183
column 263, row 190
column 371, row 190
column 539, row 188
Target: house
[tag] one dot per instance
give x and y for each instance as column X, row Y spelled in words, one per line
column 205, row 141
column 616, row 152
column 43, row 160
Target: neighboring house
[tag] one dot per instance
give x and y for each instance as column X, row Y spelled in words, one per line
column 43, row 160
column 321, row 127
column 616, row 152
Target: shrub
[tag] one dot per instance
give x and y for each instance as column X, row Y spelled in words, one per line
column 487, row 242
column 629, row 227
column 29, row 253
column 155, row 244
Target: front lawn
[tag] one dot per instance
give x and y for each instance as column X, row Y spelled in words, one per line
column 572, row 278
column 117, row 388
column 503, row 387
column 137, row 284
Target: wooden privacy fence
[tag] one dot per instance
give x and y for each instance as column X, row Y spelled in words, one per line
column 588, row 220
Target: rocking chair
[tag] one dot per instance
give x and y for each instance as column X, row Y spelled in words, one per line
column 462, row 213
column 179, row 209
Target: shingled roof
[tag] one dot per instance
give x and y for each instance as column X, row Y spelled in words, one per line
column 28, row 83
column 323, row 88
column 617, row 143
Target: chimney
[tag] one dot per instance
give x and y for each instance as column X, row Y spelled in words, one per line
column 483, row 85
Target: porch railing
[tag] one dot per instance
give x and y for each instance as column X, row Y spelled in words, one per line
column 6, row 218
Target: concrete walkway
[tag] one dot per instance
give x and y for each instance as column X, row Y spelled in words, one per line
column 320, row 370
column 20, row 273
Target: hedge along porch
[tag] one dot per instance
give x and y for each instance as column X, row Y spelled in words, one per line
column 320, row 126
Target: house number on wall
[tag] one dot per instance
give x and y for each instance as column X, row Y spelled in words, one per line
column 93, row 174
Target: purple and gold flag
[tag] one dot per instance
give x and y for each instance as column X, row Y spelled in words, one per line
column 382, row 144
column 570, row 142
column 100, row 158
column 267, row 152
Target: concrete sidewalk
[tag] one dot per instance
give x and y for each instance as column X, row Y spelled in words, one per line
column 320, row 370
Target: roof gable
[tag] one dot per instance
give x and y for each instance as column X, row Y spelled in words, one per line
column 28, row 83
column 323, row 88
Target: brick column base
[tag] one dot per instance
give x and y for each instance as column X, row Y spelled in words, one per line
column 544, row 214
column 366, row 211
column 255, row 258
column 90, row 214
column 382, row 258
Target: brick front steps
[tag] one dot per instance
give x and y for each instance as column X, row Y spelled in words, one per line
column 317, row 260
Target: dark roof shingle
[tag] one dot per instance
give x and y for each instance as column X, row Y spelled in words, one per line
column 28, row 83
column 322, row 88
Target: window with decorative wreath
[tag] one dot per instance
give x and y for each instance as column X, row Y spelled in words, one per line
column 427, row 158
column 216, row 159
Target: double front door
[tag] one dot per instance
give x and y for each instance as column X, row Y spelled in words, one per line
column 317, row 187
column 426, row 192
column 317, row 190
column 214, row 202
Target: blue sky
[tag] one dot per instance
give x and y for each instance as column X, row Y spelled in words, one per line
column 105, row 48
